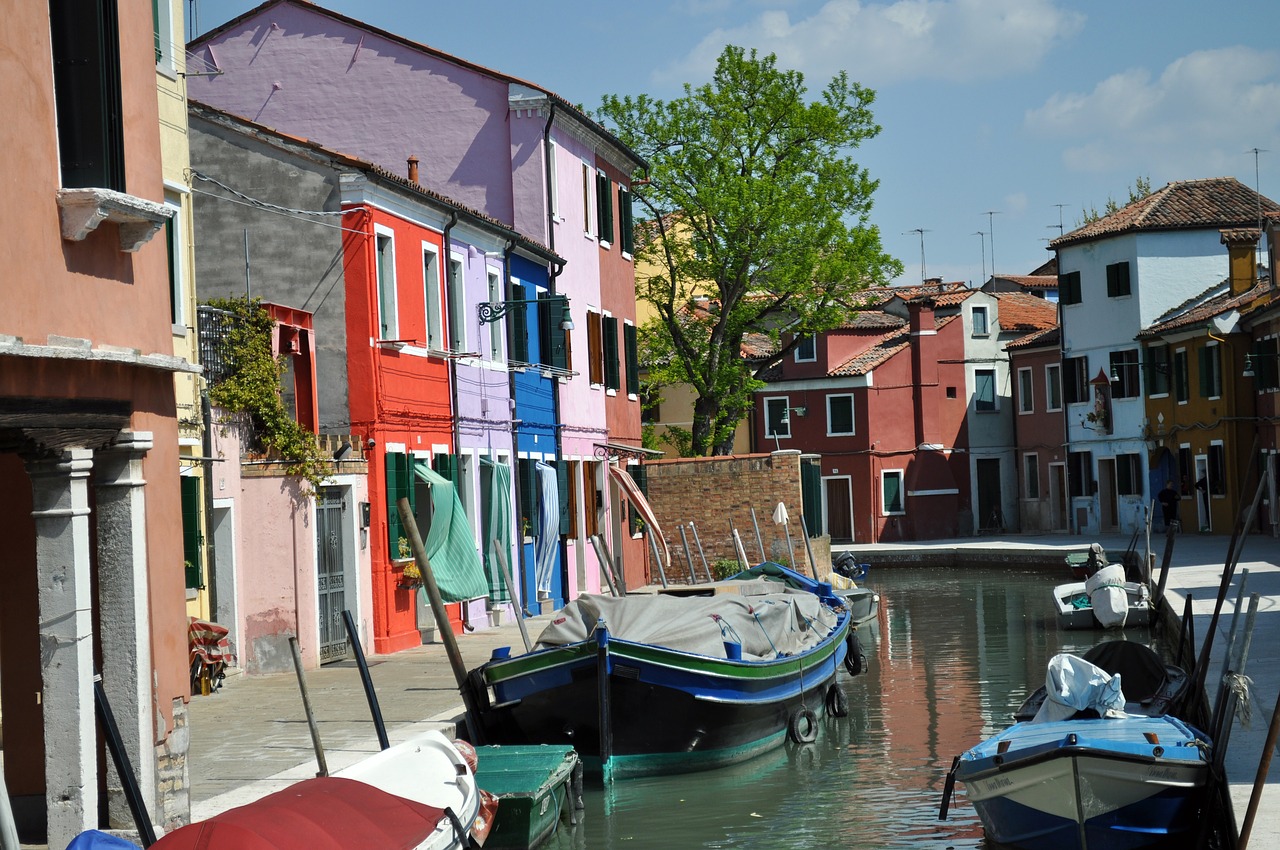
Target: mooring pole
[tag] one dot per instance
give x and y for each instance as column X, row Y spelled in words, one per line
column 366, row 680
column 323, row 767
column 1264, row 767
column 657, row 558
column 759, row 539
column 129, row 782
column 511, row 591
column 701, row 554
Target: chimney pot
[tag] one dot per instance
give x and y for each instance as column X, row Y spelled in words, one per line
column 413, row 169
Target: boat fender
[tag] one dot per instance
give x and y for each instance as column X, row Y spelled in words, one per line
column 837, row 702
column 854, row 660
column 803, row 726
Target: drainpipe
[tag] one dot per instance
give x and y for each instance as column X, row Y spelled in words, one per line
column 453, row 363
column 518, row 591
column 556, row 270
column 210, row 547
column 546, row 157
column 1066, row 420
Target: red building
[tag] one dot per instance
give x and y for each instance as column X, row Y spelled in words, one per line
column 882, row 401
column 1041, row 432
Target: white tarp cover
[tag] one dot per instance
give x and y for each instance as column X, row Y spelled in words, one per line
column 1072, row 684
column 1107, row 596
column 767, row 625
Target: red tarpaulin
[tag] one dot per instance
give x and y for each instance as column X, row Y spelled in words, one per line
column 317, row 814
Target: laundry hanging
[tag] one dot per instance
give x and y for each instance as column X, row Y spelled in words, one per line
column 548, row 536
column 450, row 543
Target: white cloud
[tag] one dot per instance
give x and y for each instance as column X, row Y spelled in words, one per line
column 1195, row 120
column 877, row 43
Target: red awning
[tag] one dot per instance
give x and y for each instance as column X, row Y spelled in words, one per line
column 317, row 814
column 632, row 491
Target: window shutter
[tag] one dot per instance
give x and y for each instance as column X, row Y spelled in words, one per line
column 625, row 223
column 518, row 333
column 192, row 539
column 554, row 338
column 811, row 497
column 564, row 483
column 633, row 359
column 399, row 486
column 892, row 494
column 1270, row 369
column 640, row 475
column 86, row 74
column 595, row 356
column 528, row 472
column 1206, row 378
column 611, row 352
column 604, row 208
column 446, row 466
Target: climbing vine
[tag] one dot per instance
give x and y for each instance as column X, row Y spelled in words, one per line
column 251, row 387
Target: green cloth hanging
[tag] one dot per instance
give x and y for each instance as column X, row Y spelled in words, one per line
column 450, row 543
column 495, row 493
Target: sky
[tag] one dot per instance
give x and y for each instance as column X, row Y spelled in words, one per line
column 1001, row 119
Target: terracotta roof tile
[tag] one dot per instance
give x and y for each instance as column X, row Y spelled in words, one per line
column 1183, row 205
column 1199, row 309
column 887, row 346
column 1030, row 281
column 1037, row 339
column 1020, row 311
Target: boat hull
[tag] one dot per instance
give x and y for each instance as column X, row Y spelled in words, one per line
column 1072, row 617
column 1094, row 784
column 667, row 711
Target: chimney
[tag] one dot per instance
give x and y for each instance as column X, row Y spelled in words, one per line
column 413, row 169
column 924, row 369
column 1242, row 243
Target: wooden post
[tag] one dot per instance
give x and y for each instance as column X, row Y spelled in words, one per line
column 433, row 591
column 511, row 589
column 605, row 568
column 306, row 707
column 1260, row 779
column 369, row 693
column 657, row 558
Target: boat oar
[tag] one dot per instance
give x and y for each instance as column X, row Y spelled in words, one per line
column 947, row 788
column 369, row 693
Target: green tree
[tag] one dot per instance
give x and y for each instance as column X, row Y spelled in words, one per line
column 1140, row 189
column 753, row 200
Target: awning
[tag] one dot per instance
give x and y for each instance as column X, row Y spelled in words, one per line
column 450, row 542
column 632, row 491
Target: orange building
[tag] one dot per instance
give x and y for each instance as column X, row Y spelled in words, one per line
column 90, row 507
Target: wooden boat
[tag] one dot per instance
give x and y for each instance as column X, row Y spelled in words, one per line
column 537, row 786
column 1151, row 687
column 651, row 684
column 1104, row 600
column 1084, row 773
column 421, row 794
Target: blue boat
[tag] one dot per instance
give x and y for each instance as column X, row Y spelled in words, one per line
column 1086, row 772
column 653, row 683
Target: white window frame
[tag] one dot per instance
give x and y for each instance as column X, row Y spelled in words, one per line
column 974, row 311
column 433, row 303
column 552, row 179
column 1030, row 466
column 1026, row 393
column 853, row 428
column 786, row 417
column 178, row 284
column 902, row 484
column 497, row 330
column 600, row 173
column 1049, row 384
column 456, row 297
column 1220, row 376
column 393, row 302
column 811, row 341
column 995, row 393
column 165, row 63
column 588, row 196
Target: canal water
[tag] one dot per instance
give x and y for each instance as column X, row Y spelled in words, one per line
column 953, row 654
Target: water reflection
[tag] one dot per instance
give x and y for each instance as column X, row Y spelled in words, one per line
column 954, row 652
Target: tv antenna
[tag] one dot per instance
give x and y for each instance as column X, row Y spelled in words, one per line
column 1059, row 224
column 991, row 235
column 983, row 240
column 922, row 231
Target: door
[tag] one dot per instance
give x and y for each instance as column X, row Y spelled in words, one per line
column 1204, row 520
column 331, row 577
column 1108, row 501
column 839, row 508
column 1057, row 497
column 990, row 513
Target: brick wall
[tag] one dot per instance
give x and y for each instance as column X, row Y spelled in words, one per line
column 713, row 491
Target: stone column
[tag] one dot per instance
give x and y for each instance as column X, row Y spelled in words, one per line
column 61, row 511
column 124, row 615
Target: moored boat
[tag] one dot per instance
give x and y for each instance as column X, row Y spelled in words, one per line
column 1104, row 600
column 537, row 787
column 1084, row 773
column 652, row 684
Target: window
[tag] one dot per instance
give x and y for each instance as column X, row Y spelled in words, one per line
column 552, row 339
column 626, row 225
column 431, row 293
column 1069, row 288
column 633, row 359
column 388, row 325
column 527, row 481
column 1076, row 380
column 590, row 499
column 1052, row 387
column 1158, row 370
column 457, row 305
column 979, row 319
column 1184, row 469
column 604, row 209
column 552, row 183
column 891, row 495
column 1181, row 380
column 777, row 420
column 806, row 350
column 1026, row 399
column 984, row 390
column 174, row 241
column 951, row 392
column 1263, row 362
column 1129, row 475
column 1080, row 473
column 839, row 415
column 495, row 328
column 86, row 84
column 609, row 334
column 1031, row 476
column 192, row 538
column 1117, row 280
column 595, row 348
column 567, row 484
column 162, row 25
column 588, row 209
column 1210, row 371
column 1124, row 374
column 1217, row 470
column 399, row 468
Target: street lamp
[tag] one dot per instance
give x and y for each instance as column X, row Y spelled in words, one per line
column 493, row 311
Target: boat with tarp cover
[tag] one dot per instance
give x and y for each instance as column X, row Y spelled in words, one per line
column 652, row 683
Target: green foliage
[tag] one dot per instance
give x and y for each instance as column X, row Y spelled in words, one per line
column 752, row 200
column 1140, row 189
column 253, row 389
column 724, row 568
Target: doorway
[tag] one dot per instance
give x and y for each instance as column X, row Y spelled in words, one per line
column 838, row 491
column 331, row 573
column 990, row 511
column 1058, row 496
column 1108, row 503
column 1204, row 519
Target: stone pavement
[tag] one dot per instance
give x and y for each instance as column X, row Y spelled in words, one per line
column 251, row 738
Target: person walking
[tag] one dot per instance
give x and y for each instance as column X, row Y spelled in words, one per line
column 1169, row 498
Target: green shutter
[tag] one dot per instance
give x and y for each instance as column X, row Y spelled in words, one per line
column 564, row 481
column 811, row 497
column 446, row 466
column 633, row 359
column 518, row 333
column 892, row 494
column 610, row 328
column 528, row 475
column 625, row 222
column 399, row 486
column 86, row 81
column 192, row 539
column 604, row 208
column 1206, row 377
column 554, row 346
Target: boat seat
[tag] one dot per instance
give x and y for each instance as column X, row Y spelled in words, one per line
column 1142, row 673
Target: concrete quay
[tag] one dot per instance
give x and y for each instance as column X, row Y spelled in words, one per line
column 251, row 738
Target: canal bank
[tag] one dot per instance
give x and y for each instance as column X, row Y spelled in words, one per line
column 251, row 738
